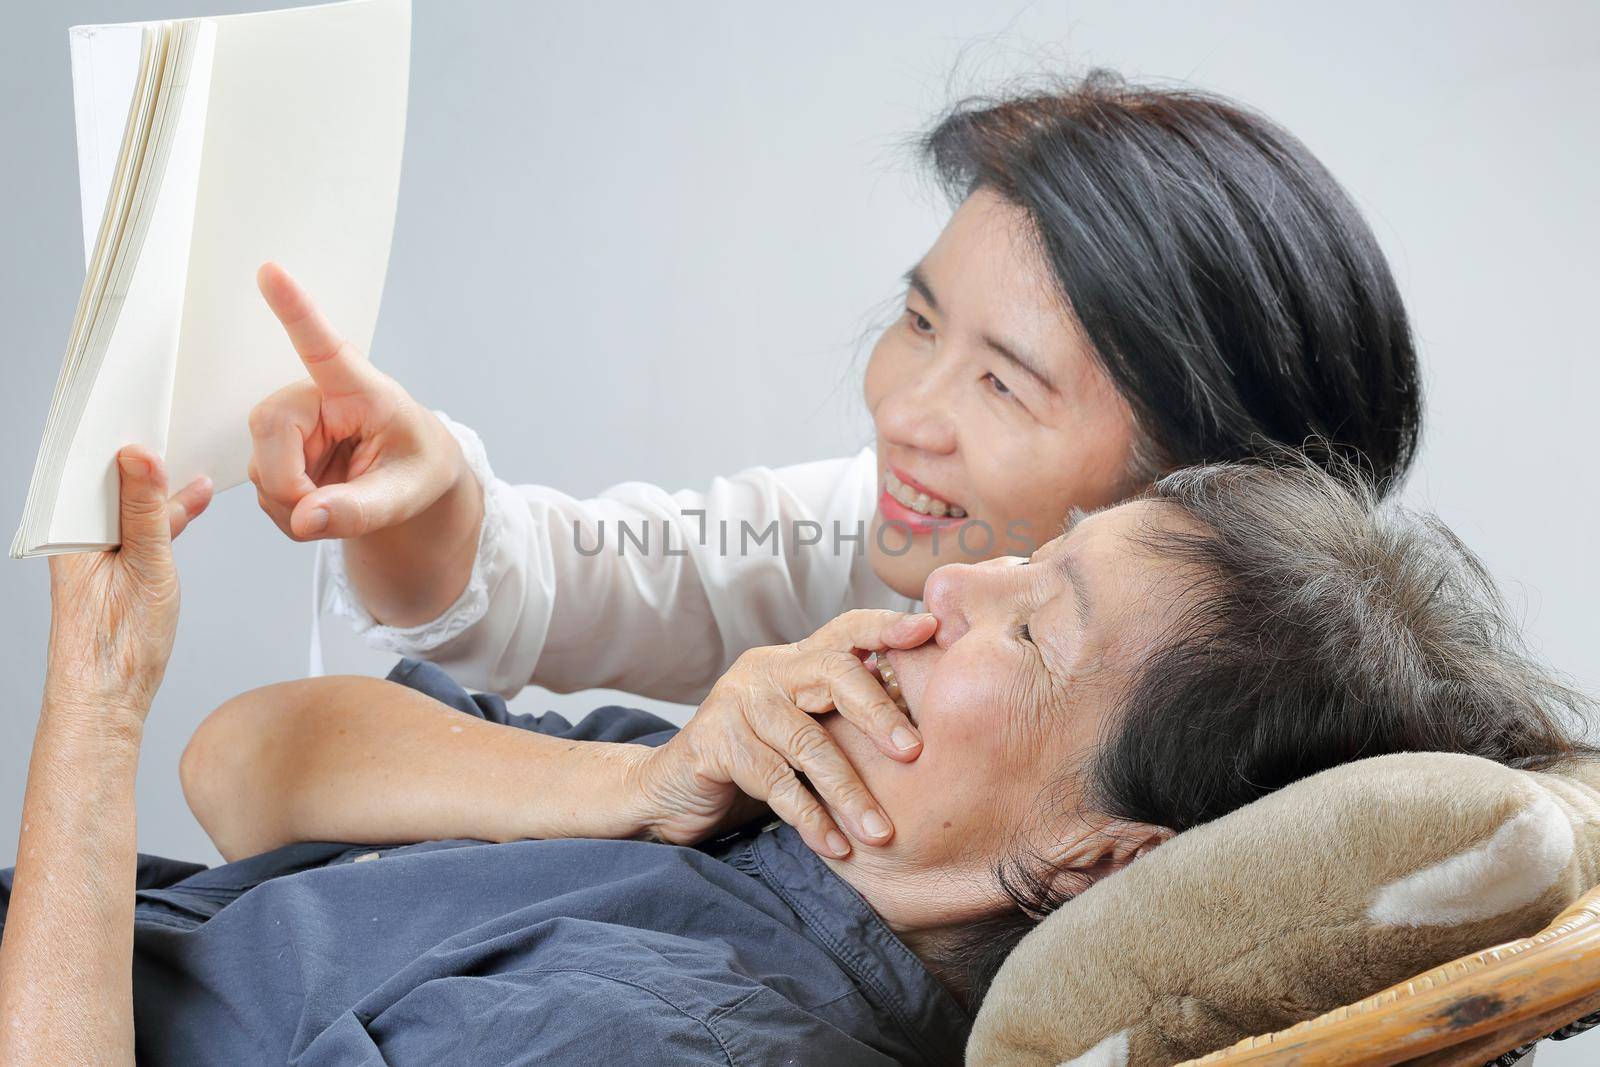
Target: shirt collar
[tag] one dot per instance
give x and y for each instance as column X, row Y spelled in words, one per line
column 891, row 976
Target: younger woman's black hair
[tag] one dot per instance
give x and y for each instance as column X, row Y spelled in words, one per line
column 1229, row 286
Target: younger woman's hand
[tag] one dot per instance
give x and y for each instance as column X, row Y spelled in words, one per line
column 347, row 451
column 756, row 733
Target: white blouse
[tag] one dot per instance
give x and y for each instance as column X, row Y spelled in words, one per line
column 638, row 589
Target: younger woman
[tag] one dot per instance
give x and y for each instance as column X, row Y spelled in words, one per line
column 1134, row 280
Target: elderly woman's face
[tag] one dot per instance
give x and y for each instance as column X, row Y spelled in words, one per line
column 1015, row 687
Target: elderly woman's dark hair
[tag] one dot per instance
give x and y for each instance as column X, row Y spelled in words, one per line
column 1317, row 626
column 1227, row 283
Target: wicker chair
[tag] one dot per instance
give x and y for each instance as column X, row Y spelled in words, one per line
column 1465, row 1014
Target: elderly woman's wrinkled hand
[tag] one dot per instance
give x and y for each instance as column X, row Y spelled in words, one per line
column 756, row 734
column 114, row 614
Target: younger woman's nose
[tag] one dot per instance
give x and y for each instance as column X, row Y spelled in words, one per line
column 915, row 414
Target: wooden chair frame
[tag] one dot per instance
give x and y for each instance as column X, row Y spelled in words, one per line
column 1463, row 1014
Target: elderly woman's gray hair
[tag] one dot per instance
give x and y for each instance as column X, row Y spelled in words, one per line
column 1322, row 625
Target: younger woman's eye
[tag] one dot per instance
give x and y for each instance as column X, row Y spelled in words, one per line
column 999, row 386
column 919, row 322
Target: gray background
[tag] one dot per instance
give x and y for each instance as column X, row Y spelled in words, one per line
column 646, row 241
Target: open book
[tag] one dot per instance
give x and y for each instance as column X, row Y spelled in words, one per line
column 206, row 147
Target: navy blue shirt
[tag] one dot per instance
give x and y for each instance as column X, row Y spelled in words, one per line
column 749, row 951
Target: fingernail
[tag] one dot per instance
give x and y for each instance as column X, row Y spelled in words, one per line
column 904, row 739
column 133, row 466
column 911, row 623
column 837, row 844
column 875, row 825
column 318, row 521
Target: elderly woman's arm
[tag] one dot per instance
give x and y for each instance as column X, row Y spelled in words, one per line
column 357, row 759
column 65, row 961
column 66, row 993
column 366, row 760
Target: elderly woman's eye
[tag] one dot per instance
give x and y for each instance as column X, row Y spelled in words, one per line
column 1025, row 633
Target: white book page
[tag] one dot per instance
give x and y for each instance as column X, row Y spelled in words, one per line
column 130, row 398
column 105, row 68
column 301, row 165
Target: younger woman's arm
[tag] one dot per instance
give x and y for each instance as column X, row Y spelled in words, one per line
column 428, row 554
column 636, row 589
column 347, row 453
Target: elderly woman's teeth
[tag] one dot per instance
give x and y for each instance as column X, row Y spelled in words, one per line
column 920, row 502
column 891, row 684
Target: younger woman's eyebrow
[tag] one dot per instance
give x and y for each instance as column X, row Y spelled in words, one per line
column 1026, row 364
column 917, row 282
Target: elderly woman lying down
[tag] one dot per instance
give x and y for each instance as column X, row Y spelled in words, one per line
column 1157, row 665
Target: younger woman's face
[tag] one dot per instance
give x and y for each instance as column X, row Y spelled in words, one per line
column 993, row 417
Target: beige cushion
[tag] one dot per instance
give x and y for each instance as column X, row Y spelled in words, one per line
column 1315, row 896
